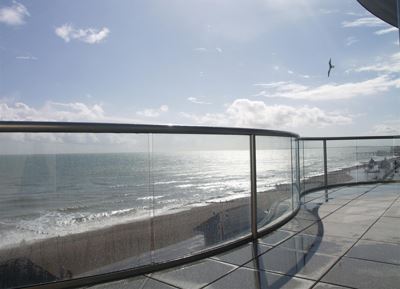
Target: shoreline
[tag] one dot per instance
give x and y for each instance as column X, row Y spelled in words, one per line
column 141, row 242
column 137, row 240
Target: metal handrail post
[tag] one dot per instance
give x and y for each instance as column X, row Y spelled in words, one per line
column 298, row 169
column 291, row 169
column 253, row 185
column 325, row 166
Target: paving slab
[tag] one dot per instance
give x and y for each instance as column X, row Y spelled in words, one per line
column 364, row 274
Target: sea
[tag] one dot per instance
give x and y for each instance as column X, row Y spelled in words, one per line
column 49, row 195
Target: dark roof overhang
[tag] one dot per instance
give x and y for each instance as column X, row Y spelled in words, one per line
column 384, row 9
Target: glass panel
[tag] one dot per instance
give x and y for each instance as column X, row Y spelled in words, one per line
column 274, row 178
column 396, row 156
column 313, row 164
column 376, row 159
column 295, row 173
column 342, row 161
column 301, row 166
column 72, row 205
column 201, row 192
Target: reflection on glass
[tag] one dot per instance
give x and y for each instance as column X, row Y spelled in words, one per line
column 201, row 192
column 376, row 159
column 342, row 161
column 72, row 210
column 295, row 173
column 312, row 164
column 396, row 157
column 274, row 178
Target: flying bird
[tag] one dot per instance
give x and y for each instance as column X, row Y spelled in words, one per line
column 330, row 67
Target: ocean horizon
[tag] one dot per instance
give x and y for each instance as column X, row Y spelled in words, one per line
column 49, row 195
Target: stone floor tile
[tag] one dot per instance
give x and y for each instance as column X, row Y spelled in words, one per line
column 385, row 230
column 245, row 278
column 321, row 285
column 350, row 231
column 376, row 251
column 194, row 275
column 363, row 220
column 359, row 210
column 297, row 224
column 294, row 263
column 364, row 274
column 276, row 237
column 394, row 211
column 141, row 282
column 243, row 254
column 328, row 245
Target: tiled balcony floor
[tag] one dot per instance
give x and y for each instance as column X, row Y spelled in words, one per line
column 348, row 238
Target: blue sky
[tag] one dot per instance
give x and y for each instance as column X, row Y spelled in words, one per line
column 260, row 63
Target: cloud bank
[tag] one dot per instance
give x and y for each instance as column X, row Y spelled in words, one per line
column 257, row 114
column 52, row 111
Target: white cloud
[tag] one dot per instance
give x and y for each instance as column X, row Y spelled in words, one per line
column 271, row 84
column 150, row 112
column 352, row 13
column 390, row 65
column 197, row 101
column 364, row 22
column 203, row 49
column 66, row 142
column 89, row 35
column 52, row 111
column 351, row 40
column 213, row 119
column 391, row 127
column 13, row 15
column 386, row 30
column 200, row 49
column 330, row 91
column 370, row 22
column 248, row 113
column 26, row 57
column 290, row 71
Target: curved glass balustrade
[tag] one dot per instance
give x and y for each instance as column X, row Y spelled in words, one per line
column 349, row 160
column 87, row 203
column 81, row 201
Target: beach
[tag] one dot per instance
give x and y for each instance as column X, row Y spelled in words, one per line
column 173, row 234
column 76, row 254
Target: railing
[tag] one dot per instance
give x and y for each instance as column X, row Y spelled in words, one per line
column 83, row 203
column 87, row 203
column 347, row 160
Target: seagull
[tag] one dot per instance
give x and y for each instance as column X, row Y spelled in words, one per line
column 330, row 66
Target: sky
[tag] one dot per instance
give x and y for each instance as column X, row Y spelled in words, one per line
column 240, row 63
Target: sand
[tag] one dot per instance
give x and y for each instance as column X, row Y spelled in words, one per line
column 160, row 238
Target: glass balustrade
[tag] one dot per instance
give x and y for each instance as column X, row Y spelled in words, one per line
column 77, row 205
column 349, row 160
column 274, row 179
column 106, row 199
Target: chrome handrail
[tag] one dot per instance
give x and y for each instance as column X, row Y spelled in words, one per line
column 364, row 137
column 82, row 127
